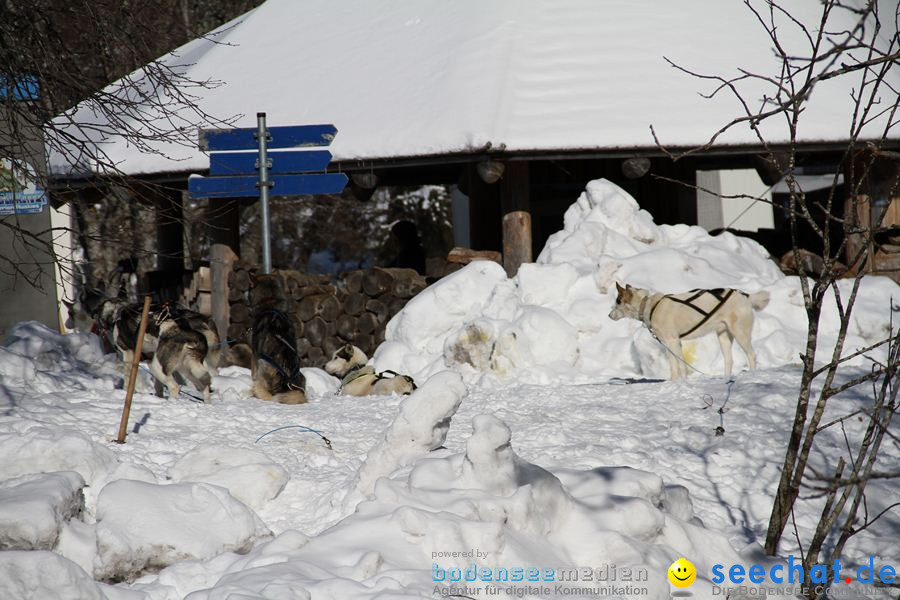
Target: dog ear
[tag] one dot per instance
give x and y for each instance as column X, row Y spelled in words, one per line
column 619, row 288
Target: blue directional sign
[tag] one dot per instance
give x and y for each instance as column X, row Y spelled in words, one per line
column 241, row 163
column 261, row 173
column 236, row 174
column 279, row 185
column 296, row 136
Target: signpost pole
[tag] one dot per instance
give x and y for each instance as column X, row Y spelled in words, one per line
column 261, row 134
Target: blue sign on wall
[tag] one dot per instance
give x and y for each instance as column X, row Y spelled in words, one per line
column 20, row 88
column 19, row 190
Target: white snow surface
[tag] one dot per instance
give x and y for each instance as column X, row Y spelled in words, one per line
column 469, row 76
column 250, row 476
column 523, row 458
column 550, row 324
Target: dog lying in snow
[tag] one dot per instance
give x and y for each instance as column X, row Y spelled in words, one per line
column 349, row 363
column 176, row 340
column 673, row 317
column 275, row 365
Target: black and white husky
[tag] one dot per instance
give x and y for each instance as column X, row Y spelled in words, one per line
column 357, row 379
column 673, row 317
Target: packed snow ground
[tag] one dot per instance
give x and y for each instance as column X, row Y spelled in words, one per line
column 538, row 463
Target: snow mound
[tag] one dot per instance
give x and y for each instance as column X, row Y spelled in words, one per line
column 44, row 359
column 550, row 323
column 40, row 449
column 250, row 476
column 33, row 508
column 319, row 383
column 421, row 425
column 142, row 526
column 44, row 575
column 484, row 508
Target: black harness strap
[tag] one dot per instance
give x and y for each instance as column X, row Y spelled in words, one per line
column 288, row 377
column 722, row 295
column 722, row 300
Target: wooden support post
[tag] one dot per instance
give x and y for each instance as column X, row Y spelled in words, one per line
column 132, row 377
column 515, row 200
column 516, row 241
column 221, row 261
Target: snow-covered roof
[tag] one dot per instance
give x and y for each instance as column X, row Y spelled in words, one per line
column 431, row 77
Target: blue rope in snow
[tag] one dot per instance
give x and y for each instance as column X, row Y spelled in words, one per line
column 305, row 430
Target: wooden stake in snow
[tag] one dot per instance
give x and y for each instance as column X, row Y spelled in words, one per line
column 132, row 377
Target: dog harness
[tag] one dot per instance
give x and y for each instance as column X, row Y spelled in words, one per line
column 357, row 372
column 720, row 294
column 289, row 377
column 365, row 370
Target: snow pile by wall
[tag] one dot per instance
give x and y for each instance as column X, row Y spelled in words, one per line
column 44, row 359
column 550, row 323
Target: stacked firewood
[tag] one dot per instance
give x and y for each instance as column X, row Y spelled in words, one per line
column 353, row 307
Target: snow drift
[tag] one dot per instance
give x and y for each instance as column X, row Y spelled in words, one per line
column 416, row 528
column 550, row 323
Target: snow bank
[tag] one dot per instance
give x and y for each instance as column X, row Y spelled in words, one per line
column 44, row 576
column 549, row 324
column 486, row 506
column 250, row 476
column 33, row 508
column 421, row 425
column 40, row 449
column 142, row 526
column 44, row 359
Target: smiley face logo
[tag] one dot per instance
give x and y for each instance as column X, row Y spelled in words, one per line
column 682, row 573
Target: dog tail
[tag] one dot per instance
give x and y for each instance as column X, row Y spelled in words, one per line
column 291, row 397
column 759, row 300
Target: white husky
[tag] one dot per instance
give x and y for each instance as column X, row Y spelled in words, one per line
column 673, row 317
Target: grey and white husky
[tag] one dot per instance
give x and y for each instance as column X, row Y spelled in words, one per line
column 176, row 340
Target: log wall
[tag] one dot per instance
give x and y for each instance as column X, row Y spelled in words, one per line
column 353, row 307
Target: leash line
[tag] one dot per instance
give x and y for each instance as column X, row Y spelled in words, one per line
column 181, row 389
column 305, row 430
column 669, row 350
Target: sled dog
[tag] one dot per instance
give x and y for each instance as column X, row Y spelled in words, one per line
column 275, row 365
column 118, row 322
column 674, row 317
column 349, row 363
